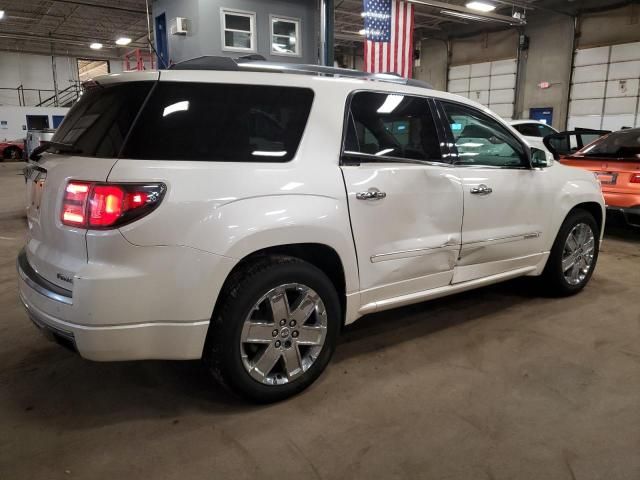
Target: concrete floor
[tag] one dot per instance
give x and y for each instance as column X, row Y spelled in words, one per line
column 497, row 383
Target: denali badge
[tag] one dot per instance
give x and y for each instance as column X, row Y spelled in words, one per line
column 64, row 279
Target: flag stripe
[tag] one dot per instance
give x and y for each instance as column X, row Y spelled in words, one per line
column 389, row 28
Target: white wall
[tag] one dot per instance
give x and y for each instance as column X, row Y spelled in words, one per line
column 16, row 118
column 35, row 71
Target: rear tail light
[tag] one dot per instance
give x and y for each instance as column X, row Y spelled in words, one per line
column 635, row 178
column 108, row 205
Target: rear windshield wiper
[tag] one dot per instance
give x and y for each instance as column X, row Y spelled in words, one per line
column 59, row 146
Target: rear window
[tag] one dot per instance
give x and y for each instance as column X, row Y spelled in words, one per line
column 622, row 144
column 220, row 122
column 534, row 129
column 98, row 124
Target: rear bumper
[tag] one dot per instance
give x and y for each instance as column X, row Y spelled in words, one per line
column 631, row 214
column 92, row 319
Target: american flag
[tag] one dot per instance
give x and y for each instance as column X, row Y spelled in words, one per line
column 388, row 29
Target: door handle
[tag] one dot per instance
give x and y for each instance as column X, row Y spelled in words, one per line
column 371, row 194
column 481, row 189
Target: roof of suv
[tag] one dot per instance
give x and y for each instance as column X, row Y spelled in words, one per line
column 253, row 70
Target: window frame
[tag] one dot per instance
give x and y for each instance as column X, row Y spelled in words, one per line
column 298, row 23
column 253, row 35
column 527, row 165
column 349, row 158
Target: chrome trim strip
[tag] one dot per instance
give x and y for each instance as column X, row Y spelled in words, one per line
column 38, row 283
column 508, row 238
column 416, row 252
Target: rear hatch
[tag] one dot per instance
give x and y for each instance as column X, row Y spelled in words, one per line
column 85, row 147
column 615, row 175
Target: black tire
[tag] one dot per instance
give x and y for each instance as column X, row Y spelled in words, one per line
column 223, row 351
column 553, row 278
column 12, row 153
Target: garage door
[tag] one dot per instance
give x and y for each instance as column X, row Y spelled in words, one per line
column 492, row 84
column 604, row 90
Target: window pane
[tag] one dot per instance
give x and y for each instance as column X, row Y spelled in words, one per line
column 222, row 123
column 284, row 44
column 237, row 40
column 281, row 27
column 392, row 126
column 481, row 140
column 238, row 22
column 97, row 125
column 544, row 130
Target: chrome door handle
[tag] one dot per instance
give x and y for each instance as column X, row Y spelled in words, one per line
column 481, row 189
column 371, row 194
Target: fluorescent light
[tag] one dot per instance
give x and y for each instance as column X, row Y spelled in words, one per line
column 390, row 103
column 176, row 107
column 263, row 153
column 481, row 6
column 362, row 32
column 123, row 41
column 466, row 16
column 95, row 46
column 1, row 13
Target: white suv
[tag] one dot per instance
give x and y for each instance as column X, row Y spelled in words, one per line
column 243, row 212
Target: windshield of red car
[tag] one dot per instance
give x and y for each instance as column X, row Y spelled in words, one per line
column 624, row 144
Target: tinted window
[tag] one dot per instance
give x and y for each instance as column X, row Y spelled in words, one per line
column 534, row 129
column 392, row 126
column 623, row 144
column 481, row 140
column 219, row 122
column 97, row 125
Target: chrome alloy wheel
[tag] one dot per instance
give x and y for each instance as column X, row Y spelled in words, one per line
column 578, row 253
column 283, row 334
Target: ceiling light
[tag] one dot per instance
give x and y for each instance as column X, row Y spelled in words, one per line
column 1, row 13
column 362, row 32
column 95, row 46
column 123, row 41
column 466, row 16
column 481, row 6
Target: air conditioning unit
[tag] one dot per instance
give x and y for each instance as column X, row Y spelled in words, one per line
column 179, row 26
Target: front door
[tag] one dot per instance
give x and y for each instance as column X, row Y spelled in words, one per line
column 507, row 203
column 405, row 201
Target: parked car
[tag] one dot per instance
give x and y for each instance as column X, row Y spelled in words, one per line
column 533, row 131
column 615, row 159
column 169, row 220
column 11, row 150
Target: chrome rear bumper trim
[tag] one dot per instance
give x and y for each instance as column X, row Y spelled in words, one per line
column 40, row 284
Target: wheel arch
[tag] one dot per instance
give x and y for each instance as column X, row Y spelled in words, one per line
column 322, row 256
column 595, row 209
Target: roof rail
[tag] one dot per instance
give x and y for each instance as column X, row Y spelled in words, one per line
column 257, row 63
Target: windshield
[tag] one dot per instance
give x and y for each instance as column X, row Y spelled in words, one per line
column 622, row 144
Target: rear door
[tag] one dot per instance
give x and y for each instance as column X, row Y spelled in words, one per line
column 404, row 199
column 85, row 147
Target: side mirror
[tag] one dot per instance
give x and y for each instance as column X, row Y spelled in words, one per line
column 539, row 158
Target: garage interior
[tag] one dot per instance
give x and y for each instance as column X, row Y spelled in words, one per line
column 497, row 383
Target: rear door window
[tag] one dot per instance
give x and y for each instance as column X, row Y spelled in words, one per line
column 220, row 122
column 386, row 126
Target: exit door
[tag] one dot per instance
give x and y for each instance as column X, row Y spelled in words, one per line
column 544, row 115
